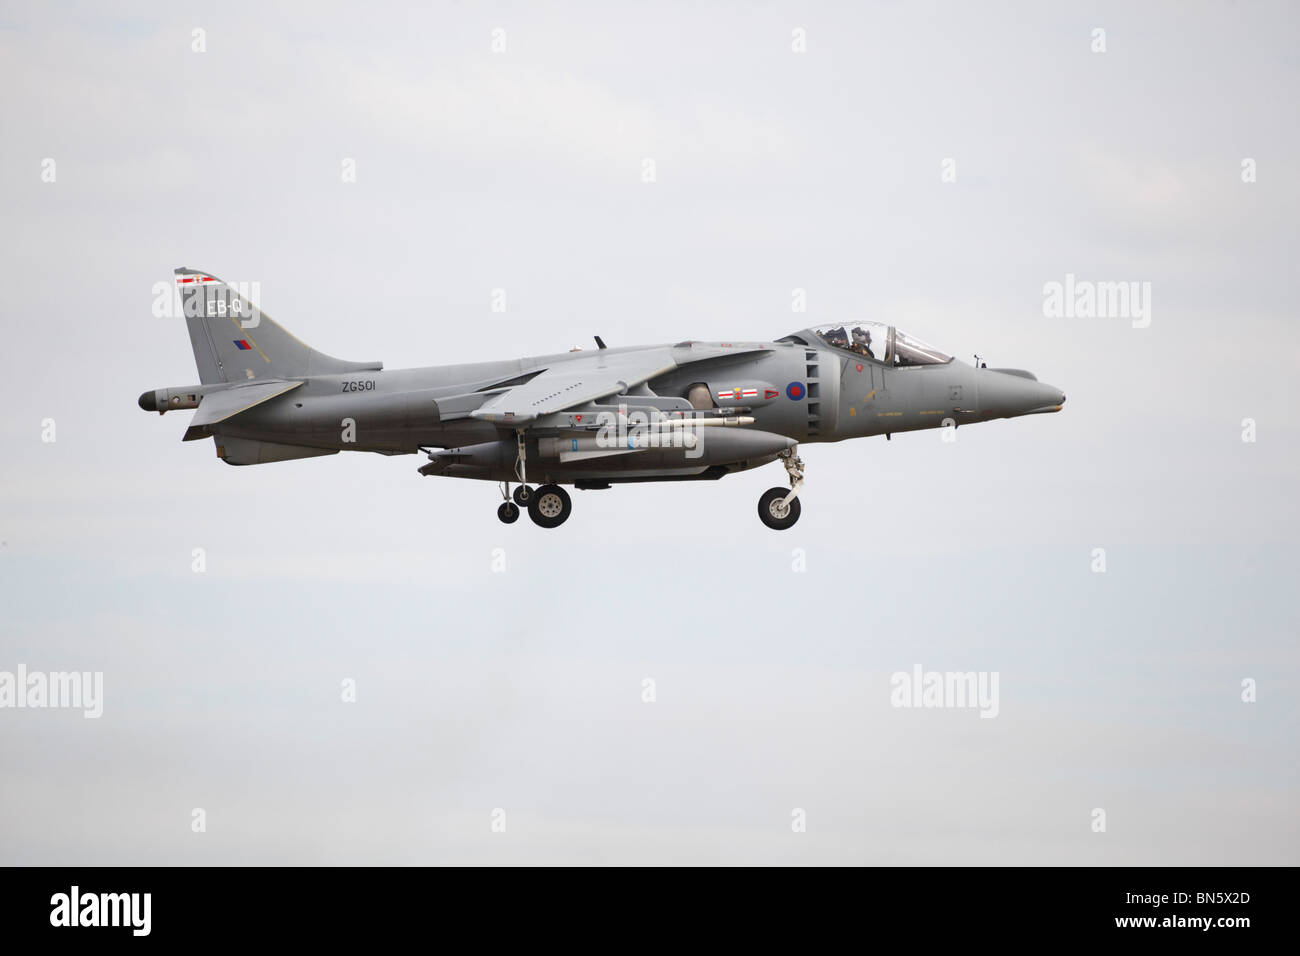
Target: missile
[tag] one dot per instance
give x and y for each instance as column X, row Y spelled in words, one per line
column 728, row 421
column 619, row 444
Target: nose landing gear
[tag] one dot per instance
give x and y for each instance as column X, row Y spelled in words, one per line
column 777, row 508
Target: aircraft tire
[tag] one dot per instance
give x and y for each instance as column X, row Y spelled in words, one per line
column 521, row 494
column 549, row 506
column 508, row 513
column 772, row 514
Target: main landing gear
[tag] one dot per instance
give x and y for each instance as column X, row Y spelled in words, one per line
column 549, row 505
column 778, row 508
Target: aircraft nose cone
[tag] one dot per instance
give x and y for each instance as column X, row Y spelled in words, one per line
column 1005, row 395
column 149, row 402
column 1045, row 398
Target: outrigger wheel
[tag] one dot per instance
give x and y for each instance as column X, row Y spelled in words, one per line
column 508, row 513
column 549, row 506
column 521, row 495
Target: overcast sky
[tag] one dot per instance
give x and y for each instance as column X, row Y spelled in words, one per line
column 774, row 170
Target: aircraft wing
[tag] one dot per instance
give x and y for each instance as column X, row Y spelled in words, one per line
column 575, row 382
column 218, row 406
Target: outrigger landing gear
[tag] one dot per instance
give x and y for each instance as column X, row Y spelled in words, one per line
column 509, row 512
column 777, row 508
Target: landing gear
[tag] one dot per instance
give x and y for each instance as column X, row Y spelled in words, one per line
column 549, row 506
column 778, row 508
column 523, row 495
column 775, row 512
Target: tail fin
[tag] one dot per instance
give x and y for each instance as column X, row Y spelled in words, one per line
column 234, row 341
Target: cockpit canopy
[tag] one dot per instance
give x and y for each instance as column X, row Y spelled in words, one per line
column 879, row 342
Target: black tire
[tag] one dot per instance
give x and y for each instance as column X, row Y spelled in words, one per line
column 769, row 509
column 521, row 495
column 549, row 506
column 508, row 513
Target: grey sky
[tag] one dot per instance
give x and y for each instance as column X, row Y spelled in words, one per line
column 776, row 171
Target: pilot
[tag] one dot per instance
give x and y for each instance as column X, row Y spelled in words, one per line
column 862, row 342
column 838, row 338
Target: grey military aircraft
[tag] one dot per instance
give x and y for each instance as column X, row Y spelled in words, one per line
column 686, row 412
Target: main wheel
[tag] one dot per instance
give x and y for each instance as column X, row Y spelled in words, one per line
column 549, row 506
column 521, row 495
column 508, row 513
column 773, row 513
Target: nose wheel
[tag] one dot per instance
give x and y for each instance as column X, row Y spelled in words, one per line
column 778, row 508
column 775, row 512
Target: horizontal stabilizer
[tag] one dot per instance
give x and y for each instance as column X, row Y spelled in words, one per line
column 218, row 406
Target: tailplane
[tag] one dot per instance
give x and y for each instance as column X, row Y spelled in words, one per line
column 234, row 341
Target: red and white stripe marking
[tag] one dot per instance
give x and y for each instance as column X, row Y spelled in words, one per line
column 183, row 280
column 738, row 393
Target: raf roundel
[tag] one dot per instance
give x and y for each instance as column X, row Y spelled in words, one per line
column 794, row 391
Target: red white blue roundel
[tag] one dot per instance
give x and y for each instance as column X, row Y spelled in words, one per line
column 794, row 391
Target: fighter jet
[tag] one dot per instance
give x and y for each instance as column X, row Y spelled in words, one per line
column 590, row 419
